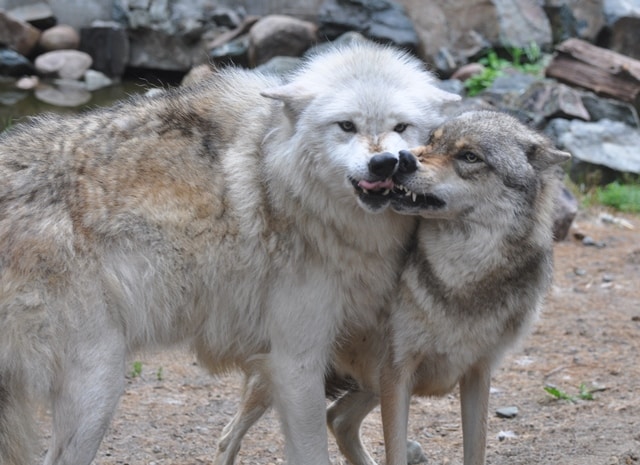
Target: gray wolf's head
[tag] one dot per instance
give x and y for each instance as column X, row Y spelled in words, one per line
column 352, row 110
column 478, row 165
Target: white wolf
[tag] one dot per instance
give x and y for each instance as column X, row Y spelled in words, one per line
column 484, row 187
column 210, row 215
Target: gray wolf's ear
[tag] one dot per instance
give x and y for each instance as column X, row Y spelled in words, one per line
column 544, row 156
column 294, row 96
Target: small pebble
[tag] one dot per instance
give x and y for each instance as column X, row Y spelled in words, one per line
column 507, row 412
column 579, row 271
column 591, row 242
column 415, row 454
column 607, row 278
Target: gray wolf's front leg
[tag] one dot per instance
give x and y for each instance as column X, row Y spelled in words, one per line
column 474, row 402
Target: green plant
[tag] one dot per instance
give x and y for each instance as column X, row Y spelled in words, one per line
column 136, row 369
column 159, row 375
column 584, row 393
column 6, row 123
column 527, row 60
column 623, row 197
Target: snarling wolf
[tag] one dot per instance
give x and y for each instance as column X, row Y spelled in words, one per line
column 483, row 188
column 235, row 215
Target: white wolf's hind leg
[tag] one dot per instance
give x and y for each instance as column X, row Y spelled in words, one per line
column 344, row 418
column 87, row 390
column 256, row 399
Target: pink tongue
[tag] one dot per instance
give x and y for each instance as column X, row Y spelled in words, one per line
column 376, row 185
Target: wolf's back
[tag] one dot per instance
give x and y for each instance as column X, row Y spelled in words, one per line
column 144, row 176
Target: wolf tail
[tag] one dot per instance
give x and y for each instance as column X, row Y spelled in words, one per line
column 16, row 425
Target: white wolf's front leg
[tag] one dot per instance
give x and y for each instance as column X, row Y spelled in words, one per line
column 302, row 329
column 474, row 403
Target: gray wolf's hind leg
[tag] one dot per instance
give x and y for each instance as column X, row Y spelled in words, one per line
column 344, row 418
column 86, row 393
column 256, row 399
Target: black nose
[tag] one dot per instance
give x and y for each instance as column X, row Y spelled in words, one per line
column 383, row 164
column 408, row 163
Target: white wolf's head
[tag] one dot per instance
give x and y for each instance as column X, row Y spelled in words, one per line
column 352, row 109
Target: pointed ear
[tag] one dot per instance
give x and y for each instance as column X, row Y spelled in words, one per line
column 294, row 96
column 439, row 95
column 545, row 155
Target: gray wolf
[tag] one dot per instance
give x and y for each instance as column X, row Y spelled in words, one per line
column 484, row 188
column 235, row 216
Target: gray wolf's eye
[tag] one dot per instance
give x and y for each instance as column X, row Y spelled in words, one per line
column 469, row 157
column 347, row 126
column 400, row 127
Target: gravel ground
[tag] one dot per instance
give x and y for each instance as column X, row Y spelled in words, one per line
column 589, row 333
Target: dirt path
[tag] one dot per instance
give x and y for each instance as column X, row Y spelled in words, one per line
column 589, row 333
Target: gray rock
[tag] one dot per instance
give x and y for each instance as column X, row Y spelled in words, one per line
column 280, row 65
column 452, row 32
column 383, row 21
column 59, row 37
column 575, row 18
column 18, row 35
column 108, row 45
column 605, row 143
column 153, row 49
column 165, row 34
column 39, row 15
column 415, row 454
column 606, row 108
column 278, row 35
column 235, row 51
column 14, row 64
column 66, row 64
column 95, row 80
column 616, row 9
column 549, row 99
column 625, row 36
column 507, row 412
column 27, row 82
column 469, row 70
column 564, row 212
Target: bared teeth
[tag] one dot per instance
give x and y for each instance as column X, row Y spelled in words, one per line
column 364, row 190
column 414, row 196
column 386, row 192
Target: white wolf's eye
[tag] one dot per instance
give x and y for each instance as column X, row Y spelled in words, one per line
column 400, row 127
column 347, row 126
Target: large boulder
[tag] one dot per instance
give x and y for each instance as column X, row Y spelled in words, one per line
column 575, row 18
column 453, row 31
column 108, row 44
column 610, row 145
column 18, row 35
column 39, row 15
column 278, row 35
column 384, row 21
column 66, row 64
column 59, row 37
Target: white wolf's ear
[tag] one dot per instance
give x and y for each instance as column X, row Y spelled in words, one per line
column 295, row 97
column 434, row 93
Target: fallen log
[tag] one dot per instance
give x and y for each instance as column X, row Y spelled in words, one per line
column 600, row 70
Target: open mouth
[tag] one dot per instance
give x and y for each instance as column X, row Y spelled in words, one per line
column 403, row 197
column 374, row 194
